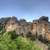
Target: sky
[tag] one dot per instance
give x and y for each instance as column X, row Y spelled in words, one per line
column 27, row 9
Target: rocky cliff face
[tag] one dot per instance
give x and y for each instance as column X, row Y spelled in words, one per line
column 20, row 26
column 39, row 27
column 11, row 24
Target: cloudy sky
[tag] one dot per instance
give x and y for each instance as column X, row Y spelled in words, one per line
column 27, row 9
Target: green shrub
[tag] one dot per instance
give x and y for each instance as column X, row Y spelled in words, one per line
column 6, row 43
column 26, row 44
column 19, row 43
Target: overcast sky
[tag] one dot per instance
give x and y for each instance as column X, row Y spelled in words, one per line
column 27, row 9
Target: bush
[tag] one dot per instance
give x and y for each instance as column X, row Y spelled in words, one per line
column 19, row 43
column 6, row 43
column 25, row 44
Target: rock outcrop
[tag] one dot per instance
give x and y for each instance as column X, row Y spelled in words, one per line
column 39, row 27
column 20, row 26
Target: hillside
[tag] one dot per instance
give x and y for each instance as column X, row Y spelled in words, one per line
column 12, row 28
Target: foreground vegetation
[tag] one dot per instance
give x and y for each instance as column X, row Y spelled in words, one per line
column 9, row 42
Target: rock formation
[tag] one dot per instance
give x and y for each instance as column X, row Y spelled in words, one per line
column 20, row 26
column 39, row 27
